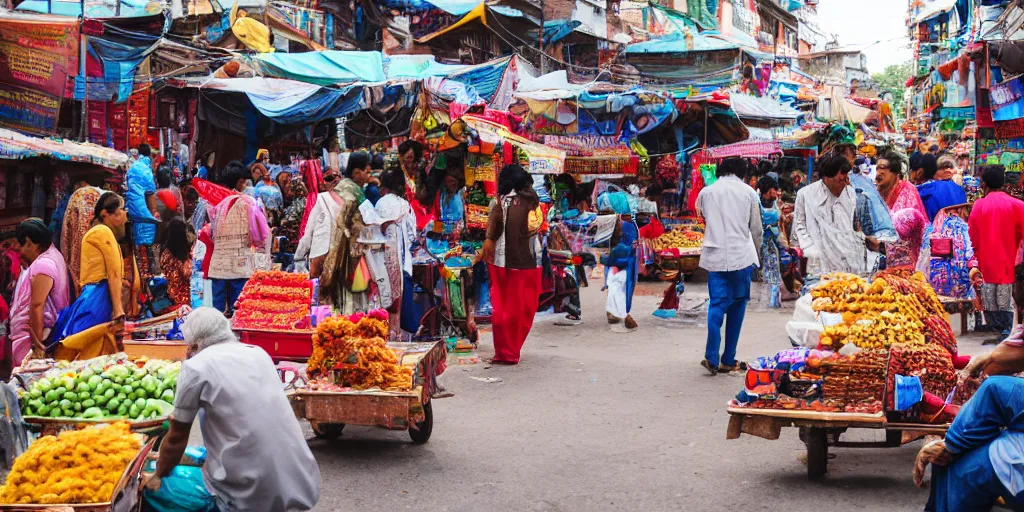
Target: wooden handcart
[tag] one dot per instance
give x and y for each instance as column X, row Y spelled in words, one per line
column 329, row 411
column 820, row 430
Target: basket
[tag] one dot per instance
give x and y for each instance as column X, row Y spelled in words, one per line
column 281, row 345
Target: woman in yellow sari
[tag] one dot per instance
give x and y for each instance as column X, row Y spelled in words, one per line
column 89, row 327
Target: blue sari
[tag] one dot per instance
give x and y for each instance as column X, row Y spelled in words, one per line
column 92, row 307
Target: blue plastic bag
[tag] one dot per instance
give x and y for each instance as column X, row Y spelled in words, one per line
column 908, row 392
column 181, row 491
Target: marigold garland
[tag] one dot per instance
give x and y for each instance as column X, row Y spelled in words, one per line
column 355, row 349
column 77, row 466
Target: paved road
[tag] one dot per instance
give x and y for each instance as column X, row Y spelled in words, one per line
column 597, row 421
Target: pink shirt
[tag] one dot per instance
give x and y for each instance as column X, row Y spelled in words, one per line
column 49, row 263
column 996, row 226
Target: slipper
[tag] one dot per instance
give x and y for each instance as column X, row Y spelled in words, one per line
column 707, row 365
column 499, row 361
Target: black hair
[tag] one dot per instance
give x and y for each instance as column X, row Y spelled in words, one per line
column 993, row 176
column 732, row 166
column 833, row 165
column 177, row 239
column 34, row 229
column 108, row 202
column 377, row 163
column 653, row 190
column 144, row 149
column 163, row 177
column 767, row 184
column 930, row 165
column 192, row 194
column 934, row 148
column 357, row 160
column 233, row 172
column 513, row 177
column 915, row 161
column 394, row 181
column 416, row 148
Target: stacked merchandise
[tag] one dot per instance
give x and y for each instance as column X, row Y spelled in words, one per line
column 103, row 388
column 274, row 300
column 352, row 352
column 75, row 467
column 875, row 331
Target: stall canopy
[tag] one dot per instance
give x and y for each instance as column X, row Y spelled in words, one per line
column 323, row 68
column 542, row 159
column 289, row 101
column 768, row 109
column 15, row 146
column 932, row 9
column 128, row 8
column 760, row 149
column 417, row 67
column 676, row 43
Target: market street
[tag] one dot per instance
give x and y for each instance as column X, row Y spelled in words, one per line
column 593, row 421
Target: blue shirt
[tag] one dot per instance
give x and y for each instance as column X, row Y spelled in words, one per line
column 201, row 173
column 940, row 194
column 139, row 183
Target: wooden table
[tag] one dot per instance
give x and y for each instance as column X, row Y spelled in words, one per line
column 963, row 307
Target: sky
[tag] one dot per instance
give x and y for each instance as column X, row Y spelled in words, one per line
column 860, row 24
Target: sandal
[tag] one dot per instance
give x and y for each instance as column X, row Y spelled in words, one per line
column 711, row 368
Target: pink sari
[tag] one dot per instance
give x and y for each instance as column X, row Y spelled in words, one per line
column 905, row 195
column 50, row 263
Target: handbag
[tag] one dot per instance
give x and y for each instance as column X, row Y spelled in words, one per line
column 358, row 277
column 942, row 247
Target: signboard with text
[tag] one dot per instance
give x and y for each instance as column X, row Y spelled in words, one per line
column 40, row 52
column 28, row 110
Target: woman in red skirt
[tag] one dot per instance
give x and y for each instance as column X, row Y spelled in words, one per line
column 511, row 254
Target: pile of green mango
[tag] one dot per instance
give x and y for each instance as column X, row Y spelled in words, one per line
column 96, row 392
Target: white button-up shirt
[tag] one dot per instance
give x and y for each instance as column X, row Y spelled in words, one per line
column 732, row 225
column 824, row 225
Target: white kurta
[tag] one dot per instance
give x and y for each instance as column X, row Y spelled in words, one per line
column 316, row 241
column 824, row 225
column 257, row 456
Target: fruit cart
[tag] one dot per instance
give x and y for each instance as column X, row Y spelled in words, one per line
column 820, row 430
column 328, row 411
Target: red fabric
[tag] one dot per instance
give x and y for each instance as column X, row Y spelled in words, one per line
column 423, row 215
column 946, row 70
column 514, row 297
column 206, row 237
column 211, row 192
column 166, row 196
column 996, row 227
column 312, row 176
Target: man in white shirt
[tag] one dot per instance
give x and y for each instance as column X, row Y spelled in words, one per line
column 732, row 234
column 824, row 220
column 257, row 457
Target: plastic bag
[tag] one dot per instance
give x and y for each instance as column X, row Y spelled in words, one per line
column 181, row 491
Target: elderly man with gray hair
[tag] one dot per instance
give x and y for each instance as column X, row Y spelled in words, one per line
column 257, row 457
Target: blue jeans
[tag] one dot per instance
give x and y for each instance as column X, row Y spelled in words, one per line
column 225, row 293
column 730, row 292
column 970, row 483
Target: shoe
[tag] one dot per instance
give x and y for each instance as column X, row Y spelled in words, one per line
column 665, row 313
column 568, row 321
column 630, row 323
column 738, row 367
column 709, row 367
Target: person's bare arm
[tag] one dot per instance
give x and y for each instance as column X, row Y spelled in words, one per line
column 151, row 204
column 41, row 286
column 172, row 448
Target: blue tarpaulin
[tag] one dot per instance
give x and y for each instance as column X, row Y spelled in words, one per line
column 417, row 67
column 484, row 78
column 291, row 102
column 129, row 8
column 676, row 43
column 455, row 7
column 323, row 68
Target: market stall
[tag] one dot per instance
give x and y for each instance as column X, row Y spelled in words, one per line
column 273, row 312
column 884, row 357
column 354, row 377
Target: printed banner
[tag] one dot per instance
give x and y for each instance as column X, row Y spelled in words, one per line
column 39, row 54
column 1007, row 100
column 28, row 110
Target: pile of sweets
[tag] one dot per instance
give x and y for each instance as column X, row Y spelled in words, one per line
column 274, row 300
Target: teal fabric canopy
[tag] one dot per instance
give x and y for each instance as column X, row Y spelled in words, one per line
column 676, row 43
column 323, row 68
column 417, row 67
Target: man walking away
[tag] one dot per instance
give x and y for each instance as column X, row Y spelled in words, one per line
column 732, row 234
column 996, row 227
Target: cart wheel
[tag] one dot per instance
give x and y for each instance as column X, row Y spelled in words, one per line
column 329, row 431
column 816, row 440
column 420, row 432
